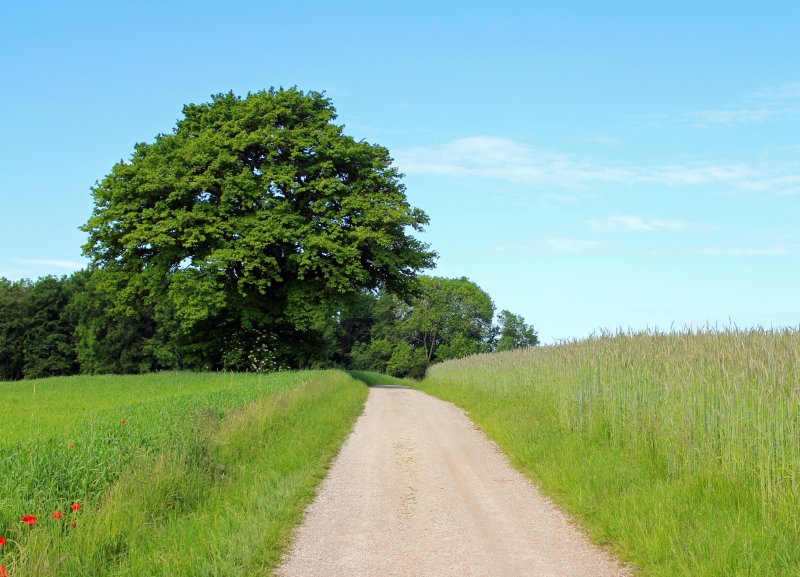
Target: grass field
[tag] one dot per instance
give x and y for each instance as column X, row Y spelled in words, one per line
column 682, row 452
column 170, row 474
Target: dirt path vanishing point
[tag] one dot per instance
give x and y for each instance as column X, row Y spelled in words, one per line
column 418, row 491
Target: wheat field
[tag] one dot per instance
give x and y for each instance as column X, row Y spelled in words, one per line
column 679, row 450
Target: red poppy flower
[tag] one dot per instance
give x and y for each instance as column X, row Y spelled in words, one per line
column 123, row 421
column 3, row 572
column 29, row 519
column 71, row 445
column 77, row 506
column 58, row 515
column 3, row 541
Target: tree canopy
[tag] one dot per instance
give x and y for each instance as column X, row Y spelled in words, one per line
column 449, row 318
column 36, row 328
column 514, row 332
column 255, row 215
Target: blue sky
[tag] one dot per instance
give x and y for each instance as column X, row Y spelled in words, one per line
column 590, row 165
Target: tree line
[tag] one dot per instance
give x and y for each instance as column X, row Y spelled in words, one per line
column 256, row 235
column 66, row 325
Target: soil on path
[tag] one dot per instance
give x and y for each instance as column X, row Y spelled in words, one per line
column 418, row 491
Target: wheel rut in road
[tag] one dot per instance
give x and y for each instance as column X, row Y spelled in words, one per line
column 418, row 491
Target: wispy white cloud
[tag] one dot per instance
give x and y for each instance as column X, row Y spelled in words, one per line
column 790, row 91
column 730, row 116
column 504, row 159
column 766, row 104
column 637, row 223
column 762, row 105
column 786, row 185
column 698, row 173
column 507, row 160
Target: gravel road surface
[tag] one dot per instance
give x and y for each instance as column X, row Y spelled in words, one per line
column 418, row 491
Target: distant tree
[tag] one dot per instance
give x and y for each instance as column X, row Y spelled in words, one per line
column 108, row 340
column 449, row 318
column 13, row 297
column 256, row 216
column 371, row 355
column 49, row 337
column 36, row 335
column 514, row 333
column 354, row 324
column 407, row 361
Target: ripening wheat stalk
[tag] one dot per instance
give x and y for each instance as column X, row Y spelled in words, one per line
column 719, row 407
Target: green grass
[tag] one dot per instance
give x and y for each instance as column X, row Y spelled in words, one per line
column 207, row 475
column 47, row 407
column 679, row 451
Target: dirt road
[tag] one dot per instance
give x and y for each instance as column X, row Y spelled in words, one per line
column 418, row 491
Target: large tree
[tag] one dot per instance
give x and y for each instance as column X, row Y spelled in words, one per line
column 255, row 215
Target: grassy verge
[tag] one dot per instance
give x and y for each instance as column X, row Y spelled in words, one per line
column 199, row 479
column 679, row 451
